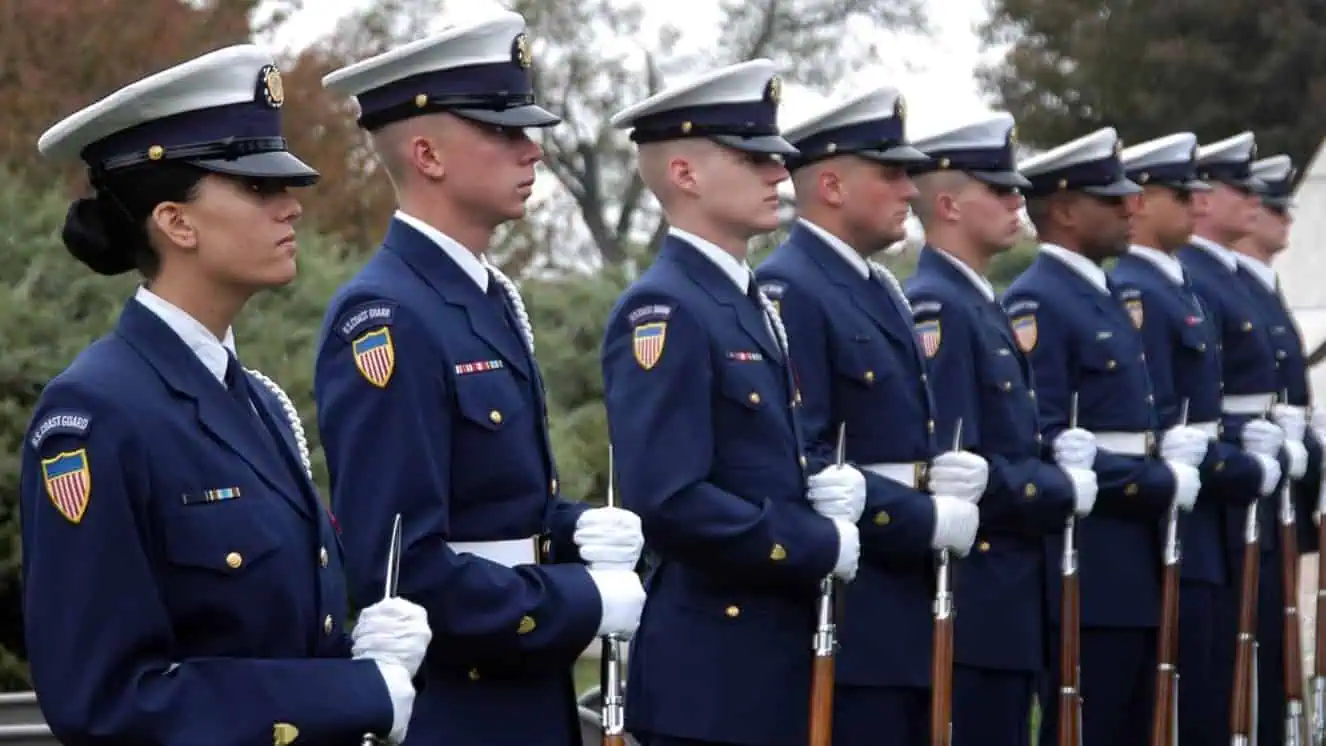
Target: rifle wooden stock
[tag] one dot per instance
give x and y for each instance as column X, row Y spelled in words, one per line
column 1070, row 701
column 941, row 677
column 1163, row 725
column 1293, row 642
column 821, row 701
column 1317, row 735
column 1241, row 699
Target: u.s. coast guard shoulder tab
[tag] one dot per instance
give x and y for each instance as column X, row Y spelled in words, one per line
column 926, row 308
column 68, row 479
column 649, row 312
column 1130, row 293
column 61, row 422
column 363, row 317
column 774, row 291
column 649, row 333
column 1020, row 307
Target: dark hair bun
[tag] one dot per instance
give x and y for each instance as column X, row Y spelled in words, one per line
column 96, row 232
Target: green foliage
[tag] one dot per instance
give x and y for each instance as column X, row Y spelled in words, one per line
column 1151, row 68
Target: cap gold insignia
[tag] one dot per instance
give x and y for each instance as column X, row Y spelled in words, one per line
column 273, row 89
column 900, row 108
column 773, row 92
column 1013, row 135
column 523, row 55
column 284, row 734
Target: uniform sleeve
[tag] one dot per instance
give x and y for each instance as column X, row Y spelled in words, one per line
column 389, row 451
column 898, row 522
column 113, row 677
column 1229, row 475
column 952, row 368
column 562, row 548
column 659, row 419
column 1130, row 488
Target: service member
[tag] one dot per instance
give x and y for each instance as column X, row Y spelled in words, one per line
column 1252, row 383
column 703, row 412
column 1084, row 347
column 969, row 204
column 1183, row 357
column 181, row 582
column 432, row 404
column 857, row 362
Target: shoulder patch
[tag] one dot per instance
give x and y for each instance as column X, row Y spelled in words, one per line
column 1134, row 306
column 62, row 422
column 1020, row 307
column 1024, row 330
column 647, row 342
column 651, row 312
column 365, row 316
column 375, row 356
column 928, row 335
column 68, row 480
column 926, row 306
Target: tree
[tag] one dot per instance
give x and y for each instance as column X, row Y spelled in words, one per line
column 591, row 59
column 1213, row 67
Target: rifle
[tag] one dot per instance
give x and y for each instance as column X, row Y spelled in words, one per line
column 394, row 548
column 941, row 673
column 1165, row 717
column 825, row 642
column 1319, row 668
column 613, row 711
column 1293, row 644
column 1070, row 650
column 1243, row 699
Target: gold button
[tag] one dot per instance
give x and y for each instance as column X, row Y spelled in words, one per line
column 1280, row 354
column 234, row 560
column 322, row 556
column 1247, row 326
column 754, row 398
column 798, row 398
column 777, row 553
column 553, row 486
column 495, row 416
column 156, row 153
column 1131, row 489
column 925, row 378
column 1111, row 365
column 733, row 611
column 1029, row 491
column 803, row 462
column 983, row 546
column 1032, row 393
column 930, row 425
column 1201, row 347
column 327, row 624
column 527, row 625
column 1220, row 466
column 1142, row 357
column 474, row 674
column 1006, row 386
column 870, row 376
column 1150, row 399
column 882, row 518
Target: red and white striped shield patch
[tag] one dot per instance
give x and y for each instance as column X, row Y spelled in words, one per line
column 647, row 341
column 375, row 356
column 928, row 334
column 68, row 483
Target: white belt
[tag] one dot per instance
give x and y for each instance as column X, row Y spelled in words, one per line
column 908, row 474
column 1210, row 429
column 1300, row 411
column 507, row 552
column 1125, row 444
column 1253, row 404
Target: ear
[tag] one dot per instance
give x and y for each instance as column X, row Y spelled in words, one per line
column 947, row 206
column 427, row 158
column 832, row 187
column 172, row 220
column 681, row 172
column 1063, row 210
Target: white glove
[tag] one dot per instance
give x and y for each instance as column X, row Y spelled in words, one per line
column 401, row 691
column 849, row 549
column 1187, row 445
column 959, row 474
column 623, row 600
column 838, row 492
column 1271, row 473
column 1084, row 490
column 609, row 538
column 956, row 521
column 1262, row 437
column 1075, row 448
column 1298, row 458
column 1187, row 483
column 392, row 630
column 1291, row 420
column 1319, row 423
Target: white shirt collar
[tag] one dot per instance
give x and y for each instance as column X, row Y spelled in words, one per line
column 1258, row 269
column 1168, row 265
column 459, row 254
column 734, row 268
column 1224, row 255
column 1079, row 264
column 214, row 353
column 981, row 283
column 848, row 254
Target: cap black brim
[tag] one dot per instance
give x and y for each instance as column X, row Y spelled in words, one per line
column 1195, row 185
column 1120, row 188
column 519, row 117
column 276, row 164
column 1279, row 203
column 904, row 155
column 772, row 144
column 1001, row 178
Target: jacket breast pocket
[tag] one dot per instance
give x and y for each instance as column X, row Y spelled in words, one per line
column 223, row 558
column 748, row 407
column 491, row 401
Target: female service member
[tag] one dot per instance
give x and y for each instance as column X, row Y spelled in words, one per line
column 182, row 584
